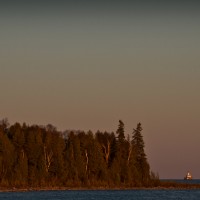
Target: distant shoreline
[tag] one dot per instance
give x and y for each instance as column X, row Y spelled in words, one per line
column 168, row 186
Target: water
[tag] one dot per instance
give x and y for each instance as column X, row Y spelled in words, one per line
column 193, row 181
column 103, row 194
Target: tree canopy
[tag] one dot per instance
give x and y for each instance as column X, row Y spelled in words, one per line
column 41, row 156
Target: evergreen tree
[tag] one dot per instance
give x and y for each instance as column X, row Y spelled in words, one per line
column 120, row 132
column 141, row 163
column 120, row 160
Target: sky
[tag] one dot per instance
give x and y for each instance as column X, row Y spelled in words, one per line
column 87, row 64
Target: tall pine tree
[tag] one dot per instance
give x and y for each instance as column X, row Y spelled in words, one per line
column 140, row 156
column 120, row 132
column 120, row 161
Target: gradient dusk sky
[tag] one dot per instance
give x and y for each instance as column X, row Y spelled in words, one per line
column 86, row 64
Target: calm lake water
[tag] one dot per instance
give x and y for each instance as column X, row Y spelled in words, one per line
column 105, row 195
column 193, row 181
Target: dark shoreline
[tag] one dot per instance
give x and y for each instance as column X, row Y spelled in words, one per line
column 161, row 187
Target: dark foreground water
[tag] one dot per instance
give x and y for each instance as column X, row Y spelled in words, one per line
column 105, row 195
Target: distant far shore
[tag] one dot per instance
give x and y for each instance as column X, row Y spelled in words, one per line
column 162, row 186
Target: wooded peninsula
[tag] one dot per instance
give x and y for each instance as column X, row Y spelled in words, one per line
column 42, row 157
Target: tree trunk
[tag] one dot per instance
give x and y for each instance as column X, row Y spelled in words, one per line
column 107, row 151
column 86, row 166
column 48, row 159
column 129, row 154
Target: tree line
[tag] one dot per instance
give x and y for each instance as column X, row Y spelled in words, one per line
column 41, row 156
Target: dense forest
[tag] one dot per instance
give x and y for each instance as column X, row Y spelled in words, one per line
column 41, row 156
